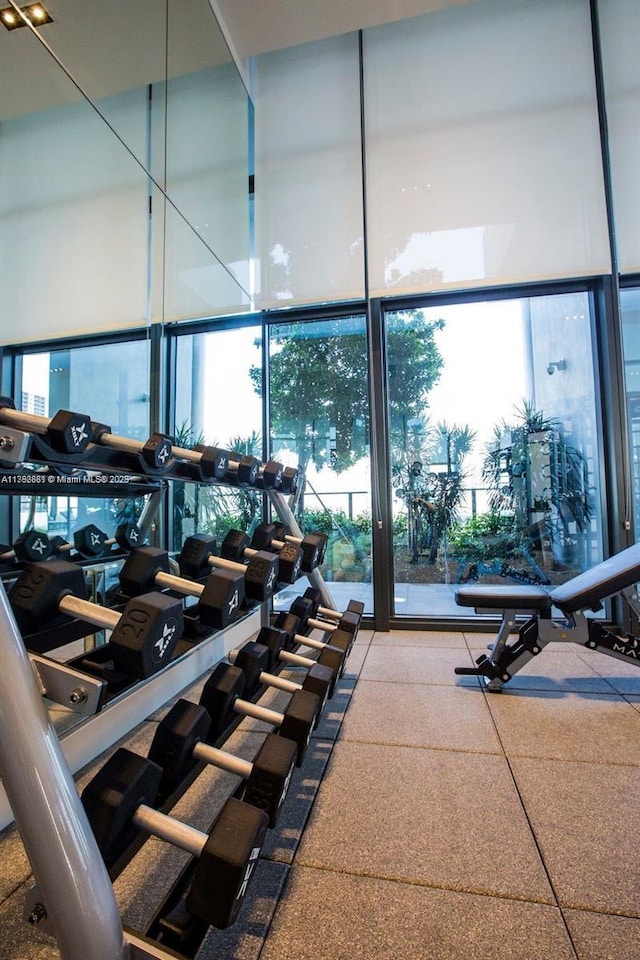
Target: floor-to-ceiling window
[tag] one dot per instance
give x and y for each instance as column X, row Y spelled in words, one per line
column 109, row 382
column 319, row 421
column 218, row 403
column 494, row 446
column 630, row 303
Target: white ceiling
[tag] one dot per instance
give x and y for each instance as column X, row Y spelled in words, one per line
column 109, row 46
column 256, row 26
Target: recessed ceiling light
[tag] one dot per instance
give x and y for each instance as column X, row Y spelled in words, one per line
column 35, row 13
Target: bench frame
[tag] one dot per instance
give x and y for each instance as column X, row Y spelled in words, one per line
column 516, row 644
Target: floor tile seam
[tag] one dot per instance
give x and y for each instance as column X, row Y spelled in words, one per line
column 290, row 863
column 421, row 683
column 426, row 884
column 417, row 683
column 513, row 755
column 534, row 837
column 603, row 695
column 599, row 911
column 420, row 746
column 587, row 660
column 28, row 879
column 398, row 645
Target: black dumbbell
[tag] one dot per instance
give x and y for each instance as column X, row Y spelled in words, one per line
column 180, row 743
column 270, row 475
column 212, row 462
column 119, row 804
column 219, row 597
column 156, row 452
column 236, row 546
column 91, row 543
column 242, row 469
column 355, row 608
column 301, row 610
column 66, row 432
column 256, row 660
column 277, row 641
column 271, row 536
column 306, row 609
column 291, row 480
column 222, row 698
column 29, row 546
column 290, row 625
column 144, row 635
column 260, row 574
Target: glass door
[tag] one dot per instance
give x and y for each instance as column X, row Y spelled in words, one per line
column 494, row 446
column 319, row 422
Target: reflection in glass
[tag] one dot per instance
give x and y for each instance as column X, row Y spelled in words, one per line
column 109, row 383
column 216, row 403
column 319, row 415
column 493, row 447
column 630, row 302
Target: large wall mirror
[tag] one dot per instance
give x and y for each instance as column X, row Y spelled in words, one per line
column 124, row 162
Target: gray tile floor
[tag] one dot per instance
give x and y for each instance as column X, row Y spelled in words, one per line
column 429, row 820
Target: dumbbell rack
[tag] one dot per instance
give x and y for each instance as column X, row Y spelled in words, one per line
column 36, row 769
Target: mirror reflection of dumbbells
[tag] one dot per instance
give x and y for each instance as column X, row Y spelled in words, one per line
column 260, row 574
column 220, row 597
column 48, row 594
column 181, row 742
column 92, row 543
column 120, row 803
column 30, row 546
column 223, row 699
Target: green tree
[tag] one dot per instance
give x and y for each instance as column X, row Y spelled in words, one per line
column 319, row 388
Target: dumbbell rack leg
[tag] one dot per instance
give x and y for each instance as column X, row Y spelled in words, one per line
column 73, row 883
column 287, row 517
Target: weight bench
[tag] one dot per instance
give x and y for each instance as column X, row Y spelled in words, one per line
column 557, row 614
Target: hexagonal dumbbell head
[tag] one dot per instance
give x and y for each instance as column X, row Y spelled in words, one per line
column 242, row 469
column 128, row 535
column 234, row 545
column 156, row 452
column 222, row 688
column 221, row 599
column 270, row 475
column 90, row 541
column 253, row 659
column 261, row 577
column 226, row 864
column 194, row 556
column 290, row 480
column 69, row 432
column 274, row 640
column 147, row 633
column 138, row 574
column 112, row 797
column 32, row 545
column 36, row 594
column 172, row 747
column 214, row 462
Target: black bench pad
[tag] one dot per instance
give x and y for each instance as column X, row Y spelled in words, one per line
column 517, row 597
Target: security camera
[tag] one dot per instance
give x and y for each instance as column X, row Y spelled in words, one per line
column 556, row 365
